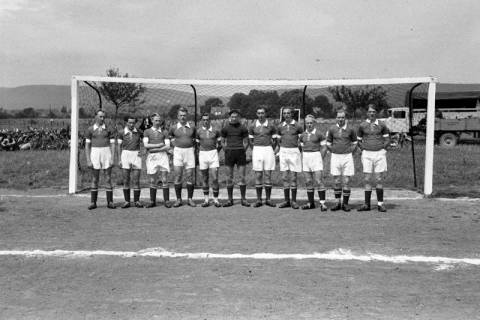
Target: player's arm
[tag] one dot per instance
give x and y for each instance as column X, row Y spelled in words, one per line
column 354, row 140
column 329, row 140
column 386, row 137
column 88, row 148
column 251, row 135
column 323, row 145
column 246, row 140
column 360, row 138
column 120, row 149
column 112, row 146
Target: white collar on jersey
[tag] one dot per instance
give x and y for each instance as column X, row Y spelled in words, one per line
column 96, row 126
column 159, row 129
column 258, row 124
column 209, row 129
column 376, row 121
column 126, row 130
column 179, row 125
column 313, row 131
column 344, row 126
column 291, row 123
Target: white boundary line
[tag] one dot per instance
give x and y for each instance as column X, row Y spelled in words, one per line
column 442, row 263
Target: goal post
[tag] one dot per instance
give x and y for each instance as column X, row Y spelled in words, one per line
column 161, row 95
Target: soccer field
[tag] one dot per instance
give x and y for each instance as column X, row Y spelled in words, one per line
column 420, row 260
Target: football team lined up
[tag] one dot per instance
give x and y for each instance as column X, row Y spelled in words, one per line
column 298, row 151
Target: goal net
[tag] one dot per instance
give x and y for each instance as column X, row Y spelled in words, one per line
column 411, row 165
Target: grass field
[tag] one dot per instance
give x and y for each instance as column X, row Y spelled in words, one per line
column 456, row 170
column 81, row 284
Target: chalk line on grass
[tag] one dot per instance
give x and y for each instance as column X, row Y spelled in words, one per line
column 442, row 263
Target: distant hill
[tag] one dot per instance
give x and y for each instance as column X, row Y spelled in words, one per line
column 35, row 96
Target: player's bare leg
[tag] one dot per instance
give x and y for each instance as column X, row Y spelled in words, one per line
column 136, row 187
column 94, row 189
column 346, row 193
column 178, row 174
column 268, row 188
column 165, row 189
column 190, row 186
column 337, row 191
column 293, row 190
column 321, row 189
column 230, row 171
column 310, row 191
column 368, row 192
column 215, row 186
column 126, row 188
column 258, row 188
column 378, row 177
column 205, row 187
column 286, row 189
column 109, row 188
column 243, row 186
column 152, row 180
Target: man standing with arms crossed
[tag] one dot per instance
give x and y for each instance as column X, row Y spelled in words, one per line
column 313, row 144
column 290, row 158
column 373, row 140
column 182, row 137
column 235, row 143
column 261, row 134
column 129, row 160
column 99, row 151
column 209, row 141
column 157, row 160
column 341, row 142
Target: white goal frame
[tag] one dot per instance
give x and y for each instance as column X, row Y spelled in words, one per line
column 431, row 81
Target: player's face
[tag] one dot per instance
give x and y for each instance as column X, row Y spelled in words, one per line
column 371, row 114
column 234, row 118
column 287, row 114
column 100, row 117
column 206, row 122
column 261, row 114
column 156, row 121
column 341, row 119
column 309, row 124
column 182, row 117
column 130, row 124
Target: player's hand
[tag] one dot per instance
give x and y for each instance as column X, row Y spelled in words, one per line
column 89, row 164
column 120, row 164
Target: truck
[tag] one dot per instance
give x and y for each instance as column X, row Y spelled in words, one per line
column 448, row 131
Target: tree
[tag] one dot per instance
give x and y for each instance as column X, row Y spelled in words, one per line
column 82, row 114
column 51, row 114
column 211, row 103
column 121, row 94
column 64, row 111
column 322, row 107
column 4, row 114
column 241, row 102
column 294, row 99
column 357, row 100
column 27, row 113
column 173, row 112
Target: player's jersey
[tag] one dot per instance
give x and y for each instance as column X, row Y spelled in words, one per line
column 372, row 135
column 262, row 133
column 289, row 133
column 99, row 136
column 154, row 136
column 341, row 138
column 234, row 135
column 312, row 141
column 207, row 138
column 130, row 139
column 183, row 135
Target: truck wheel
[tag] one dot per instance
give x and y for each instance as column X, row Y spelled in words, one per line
column 448, row 139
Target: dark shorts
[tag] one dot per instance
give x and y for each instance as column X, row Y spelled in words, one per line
column 235, row 157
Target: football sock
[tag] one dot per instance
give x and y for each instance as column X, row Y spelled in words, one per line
column 126, row 195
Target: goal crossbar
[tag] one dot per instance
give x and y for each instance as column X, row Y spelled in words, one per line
column 430, row 118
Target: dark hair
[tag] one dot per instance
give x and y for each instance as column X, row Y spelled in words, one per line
column 234, row 111
column 99, row 110
column 129, row 117
column 183, row 109
column 206, row 114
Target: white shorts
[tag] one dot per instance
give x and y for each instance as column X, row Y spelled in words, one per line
column 263, row 158
column 208, row 159
column 312, row 161
column 342, row 164
column 157, row 162
column 374, row 161
column 290, row 159
column 131, row 159
column 101, row 158
column 184, row 157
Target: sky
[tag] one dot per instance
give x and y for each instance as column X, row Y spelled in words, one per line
column 46, row 42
